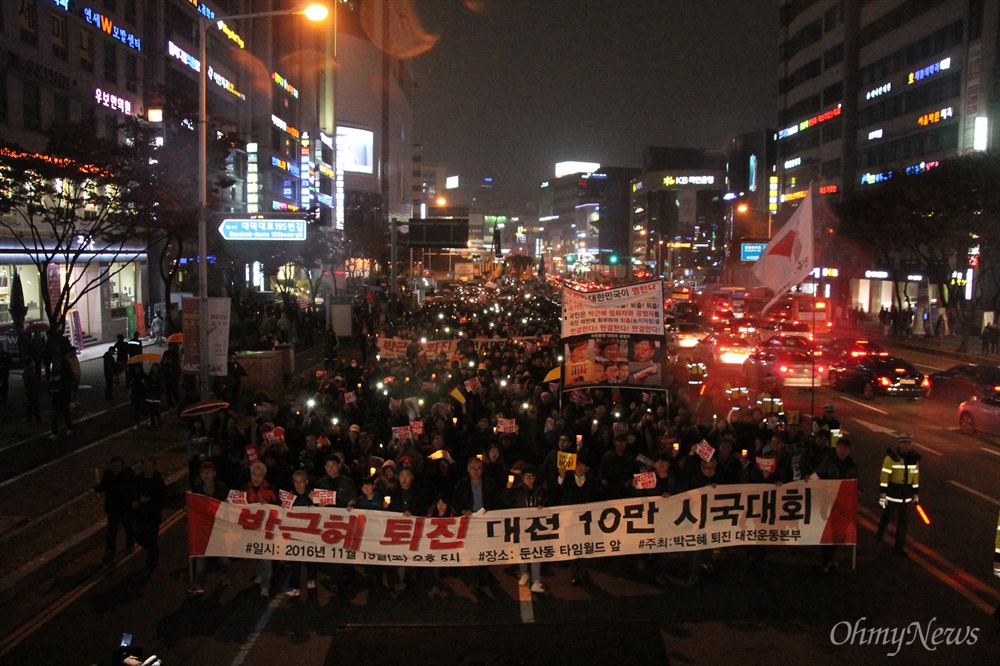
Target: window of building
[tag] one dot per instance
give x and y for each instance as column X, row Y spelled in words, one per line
column 833, row 17
column 28, row 21
column 111, row 127
column 86, row 50
column 808, row 71
column 833, row 94
column 833, row 56
column 110, row 62
column 59, row 36
column 804, row 38
column 830, row 168
column 832, row 130
column 131, row 73
column 31, row 100
column 60, row 109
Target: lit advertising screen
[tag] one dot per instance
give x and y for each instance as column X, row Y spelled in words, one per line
column 355, row 149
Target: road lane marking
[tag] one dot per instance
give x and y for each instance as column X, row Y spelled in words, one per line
column 957, row 579
column 527, row 608
column 892, row 433
column 262, row 623
column 927, row 449
column 861, row 404
column 990, row 451
column 976, row 493
column 25, row 631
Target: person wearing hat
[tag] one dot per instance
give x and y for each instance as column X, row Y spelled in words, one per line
column 526, row 494
column 828, row 421
column 900, row 485
column 838, row 464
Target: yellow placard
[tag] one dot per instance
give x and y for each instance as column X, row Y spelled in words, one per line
column 566, row 460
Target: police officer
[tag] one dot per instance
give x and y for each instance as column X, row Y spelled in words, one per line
column 900, row 484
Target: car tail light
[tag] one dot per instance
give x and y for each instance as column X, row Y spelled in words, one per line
column 829, row 324
column 722, row 349
column 810, row 336
column 900, row 371
column 885, row 381
column 819, row 369
column 783, row 368
column 926, row 383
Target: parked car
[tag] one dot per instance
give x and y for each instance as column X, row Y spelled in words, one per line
column 723, row 348
column 787, row 367
column 879, row 375
column 980, row 415
column 960, row 382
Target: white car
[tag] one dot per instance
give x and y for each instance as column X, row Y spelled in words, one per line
column 980, row 415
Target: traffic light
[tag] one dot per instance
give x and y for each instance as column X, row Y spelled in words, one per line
column 613, row 259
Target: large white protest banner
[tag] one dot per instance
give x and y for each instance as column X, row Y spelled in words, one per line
column 804, row 513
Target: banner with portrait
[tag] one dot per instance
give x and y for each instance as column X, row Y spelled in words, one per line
column 614, row 337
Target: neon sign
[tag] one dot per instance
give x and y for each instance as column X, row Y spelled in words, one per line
column 875, row 134
column 794, row 162
column 290, row 167
column 253, row 187
column 881, row 90
column 281, row 124
column 284, row 84
column 935, row 117
column 920, row 168
column 688, row 180
column 224, row 83
column 108, row 26
column 792, row 196
column 185, row 57
column 231, row 34
column 202, row 9
column 828, row 189
column 929, row 70
column 811, row 122
column 104, row 98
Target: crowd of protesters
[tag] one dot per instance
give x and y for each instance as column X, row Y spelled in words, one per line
column 337, row 434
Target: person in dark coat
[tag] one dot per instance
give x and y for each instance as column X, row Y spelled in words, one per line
column 32, row 390
column 110, row 373
column 147, row 507
column 61, row 391
column 578, row 487
column 838, row 464
column 118, row 486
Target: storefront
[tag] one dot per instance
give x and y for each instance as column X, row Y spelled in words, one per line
column 118, row 287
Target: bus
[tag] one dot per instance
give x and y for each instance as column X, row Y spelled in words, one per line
column 804, row 309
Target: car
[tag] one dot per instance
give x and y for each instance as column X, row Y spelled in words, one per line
column 980, row 415
column 845, row 353
column 879, row 375
column 793, row 343
column 686, row 335
column 787, row 367
column 785, row 329
column 959, row 382
column 723, row 348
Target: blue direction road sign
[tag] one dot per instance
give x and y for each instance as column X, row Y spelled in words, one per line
column 751, row 251
column 263, row 229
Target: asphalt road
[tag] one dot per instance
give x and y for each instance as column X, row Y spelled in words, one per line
column 784, row 607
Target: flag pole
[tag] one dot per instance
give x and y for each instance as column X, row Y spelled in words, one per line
column 812, row 395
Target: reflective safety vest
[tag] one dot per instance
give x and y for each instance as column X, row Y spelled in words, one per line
column 996, row 554
column 769, row 404
column 900, row 478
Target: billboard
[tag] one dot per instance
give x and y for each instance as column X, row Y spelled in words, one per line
column 355, row 149
column 751, row 251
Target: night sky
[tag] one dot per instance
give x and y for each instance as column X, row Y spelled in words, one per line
column 513, row 86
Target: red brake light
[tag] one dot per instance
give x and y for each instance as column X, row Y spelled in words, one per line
column 885, row 381
column 819, row 369
column 926, row 383
column 783, row 368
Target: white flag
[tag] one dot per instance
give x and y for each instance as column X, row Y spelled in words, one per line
column 788, row 258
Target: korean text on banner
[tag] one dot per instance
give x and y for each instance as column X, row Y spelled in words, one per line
column 800, row 513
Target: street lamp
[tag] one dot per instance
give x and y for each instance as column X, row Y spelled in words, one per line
column 314, row 12
column 770, row 216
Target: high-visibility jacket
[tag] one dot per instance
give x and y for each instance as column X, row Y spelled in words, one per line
column 900, row 478
column 996, row 554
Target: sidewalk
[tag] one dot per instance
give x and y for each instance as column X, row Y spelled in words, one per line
column 947, row 346
column 43, row 529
